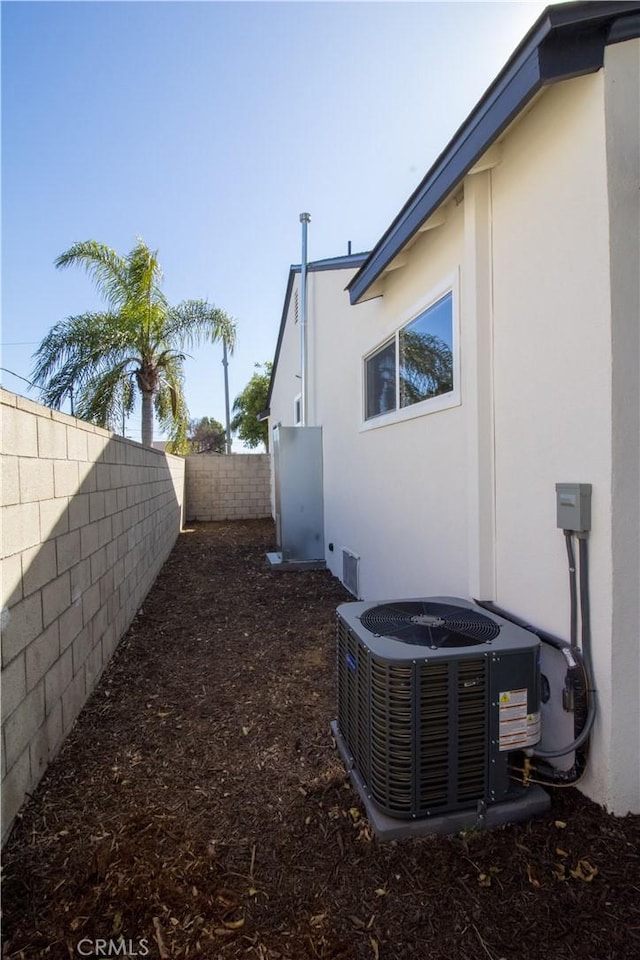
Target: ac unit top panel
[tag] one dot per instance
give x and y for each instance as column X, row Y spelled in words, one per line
column 428, row 628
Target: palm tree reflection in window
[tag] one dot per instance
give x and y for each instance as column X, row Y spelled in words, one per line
column 426, row 359
column 426, row 366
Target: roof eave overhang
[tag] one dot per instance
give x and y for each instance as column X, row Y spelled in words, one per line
column 566, row 42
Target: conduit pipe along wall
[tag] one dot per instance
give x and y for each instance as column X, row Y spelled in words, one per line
column 305, row 218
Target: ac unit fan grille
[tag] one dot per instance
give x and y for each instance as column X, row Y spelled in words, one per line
column 429, row 624
column 416, row 731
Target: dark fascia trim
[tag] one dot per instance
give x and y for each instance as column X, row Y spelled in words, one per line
column 283, row 322
column 336, row 263
column 350, row 260
column 626, row 28
column 567, row 41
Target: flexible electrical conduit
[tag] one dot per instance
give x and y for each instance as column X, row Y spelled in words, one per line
column 572, row 588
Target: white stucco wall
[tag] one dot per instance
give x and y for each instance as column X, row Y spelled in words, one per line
column 552, row 365
column 394, row 493
column 551, row 341
column 462, row 501
column 389, row 492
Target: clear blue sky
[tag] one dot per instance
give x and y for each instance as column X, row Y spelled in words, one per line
column 206, row 128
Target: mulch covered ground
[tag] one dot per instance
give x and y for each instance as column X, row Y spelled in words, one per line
column 200, row 809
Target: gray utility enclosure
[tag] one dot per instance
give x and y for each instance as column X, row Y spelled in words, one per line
column 297, row 465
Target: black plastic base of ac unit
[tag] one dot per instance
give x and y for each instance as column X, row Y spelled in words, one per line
column 533, row 802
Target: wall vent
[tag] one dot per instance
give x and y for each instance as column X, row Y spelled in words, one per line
column 350, row 572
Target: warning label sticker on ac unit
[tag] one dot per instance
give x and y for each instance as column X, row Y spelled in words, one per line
column 513, row 698
column 517, row 728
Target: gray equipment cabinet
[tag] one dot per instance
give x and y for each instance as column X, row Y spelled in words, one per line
column 297, row 461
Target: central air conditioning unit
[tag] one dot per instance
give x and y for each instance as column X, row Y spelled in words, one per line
column 435, row 696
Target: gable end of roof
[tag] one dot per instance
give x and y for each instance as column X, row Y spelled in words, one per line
column 346, row 262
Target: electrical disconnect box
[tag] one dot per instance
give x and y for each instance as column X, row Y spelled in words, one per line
column 573, row 505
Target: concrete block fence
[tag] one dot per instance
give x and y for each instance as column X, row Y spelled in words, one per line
column 88, row 519
column 236, row 487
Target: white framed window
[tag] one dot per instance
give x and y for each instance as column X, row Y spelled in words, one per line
column 415, row 371
column 297, row 410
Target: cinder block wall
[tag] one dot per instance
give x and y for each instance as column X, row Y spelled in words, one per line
column 234, row 487
column 88, row 519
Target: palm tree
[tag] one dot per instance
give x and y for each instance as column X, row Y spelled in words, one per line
column 100, row 359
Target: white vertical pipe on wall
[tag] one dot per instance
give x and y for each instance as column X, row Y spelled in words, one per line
column 305, row 218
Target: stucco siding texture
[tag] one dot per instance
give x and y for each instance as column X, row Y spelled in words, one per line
column 540, row 242
column 394, row 494
column 552, row 366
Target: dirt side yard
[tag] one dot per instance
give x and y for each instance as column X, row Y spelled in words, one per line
column 200, row 809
